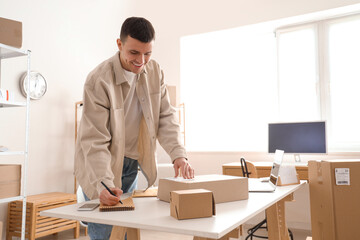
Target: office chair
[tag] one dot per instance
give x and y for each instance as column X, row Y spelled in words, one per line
column 249, row 170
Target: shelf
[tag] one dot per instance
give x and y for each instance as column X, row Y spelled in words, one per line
column 12, row 104
column 6, row 158
column 12, row 153
column 9, row 52
column 10, row 199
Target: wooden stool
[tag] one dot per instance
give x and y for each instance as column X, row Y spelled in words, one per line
column 36, row 225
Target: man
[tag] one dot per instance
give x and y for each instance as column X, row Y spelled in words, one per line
column 126, row 108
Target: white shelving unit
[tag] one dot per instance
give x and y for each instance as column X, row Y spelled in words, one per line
column 5, row 53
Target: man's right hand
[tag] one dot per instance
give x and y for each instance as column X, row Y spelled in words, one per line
column 107, row 199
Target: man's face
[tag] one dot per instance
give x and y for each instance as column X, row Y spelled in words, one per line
column 134, row 54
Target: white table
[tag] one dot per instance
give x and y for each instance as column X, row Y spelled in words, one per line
column 153, row 214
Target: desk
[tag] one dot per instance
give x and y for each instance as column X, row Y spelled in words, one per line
column 153, row 214
column 263, row 169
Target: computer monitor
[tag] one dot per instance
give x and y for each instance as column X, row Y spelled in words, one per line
column 298, row 137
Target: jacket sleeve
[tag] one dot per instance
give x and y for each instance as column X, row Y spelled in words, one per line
column 95, row 135
column 169, row 129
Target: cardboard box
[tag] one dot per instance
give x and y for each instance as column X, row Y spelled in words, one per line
column 334, row 199
column 225, row 188
column 10, row 180
column 10, row 32
column 193, row 203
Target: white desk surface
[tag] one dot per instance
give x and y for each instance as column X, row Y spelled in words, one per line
column 153, row 214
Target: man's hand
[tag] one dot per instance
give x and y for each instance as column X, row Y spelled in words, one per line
column 107, row 199
column 185, row 168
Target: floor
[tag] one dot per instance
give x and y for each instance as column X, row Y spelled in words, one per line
column 150, row 235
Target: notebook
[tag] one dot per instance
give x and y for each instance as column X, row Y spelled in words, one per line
column 256, row 185
column 128, row 205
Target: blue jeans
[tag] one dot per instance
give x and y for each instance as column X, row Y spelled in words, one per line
column 129, row 179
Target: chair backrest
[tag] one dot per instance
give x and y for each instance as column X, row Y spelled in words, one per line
column 251, row 169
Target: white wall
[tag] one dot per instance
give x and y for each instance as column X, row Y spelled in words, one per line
column 69, row 38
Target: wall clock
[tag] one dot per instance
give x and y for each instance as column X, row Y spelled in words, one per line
column 38, row 85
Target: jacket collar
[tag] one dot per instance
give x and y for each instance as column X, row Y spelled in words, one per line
column 119, row 70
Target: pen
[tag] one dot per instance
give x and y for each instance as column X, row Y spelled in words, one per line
column 110, row 191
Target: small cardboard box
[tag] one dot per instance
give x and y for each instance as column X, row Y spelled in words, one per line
column 193, row 203
column 10, row 32
column 10, row 179
column 334, row 199
column 225, row 188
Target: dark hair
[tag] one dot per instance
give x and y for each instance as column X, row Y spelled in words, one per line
column 138, row 28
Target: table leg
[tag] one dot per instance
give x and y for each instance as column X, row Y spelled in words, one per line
column 77, row 230
column 233, row 234
column 133, row 233
column 118, row 233
column 277, row 229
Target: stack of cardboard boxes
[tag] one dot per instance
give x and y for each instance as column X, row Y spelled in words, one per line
column 225, row 188
column 196, row 198
column 335, row 199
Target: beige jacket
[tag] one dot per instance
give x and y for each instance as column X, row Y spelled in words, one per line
column 100, row 145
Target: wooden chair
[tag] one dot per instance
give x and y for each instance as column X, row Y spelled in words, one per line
column 248, row 169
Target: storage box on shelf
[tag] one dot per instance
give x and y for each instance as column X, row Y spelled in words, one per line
column 10, row 32
column 10, row 178
column 36, row 225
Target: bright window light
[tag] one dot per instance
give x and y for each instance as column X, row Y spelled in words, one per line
column 228, row 85
column 298, row 90
column 234, row 82
column 344, row 71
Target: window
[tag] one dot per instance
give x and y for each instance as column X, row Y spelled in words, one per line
column 228, row 100
column 235, row 82
column 319, row 78
column 343, row 77
column 297, row 74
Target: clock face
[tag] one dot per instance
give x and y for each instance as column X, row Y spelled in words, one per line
column 38, row 85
